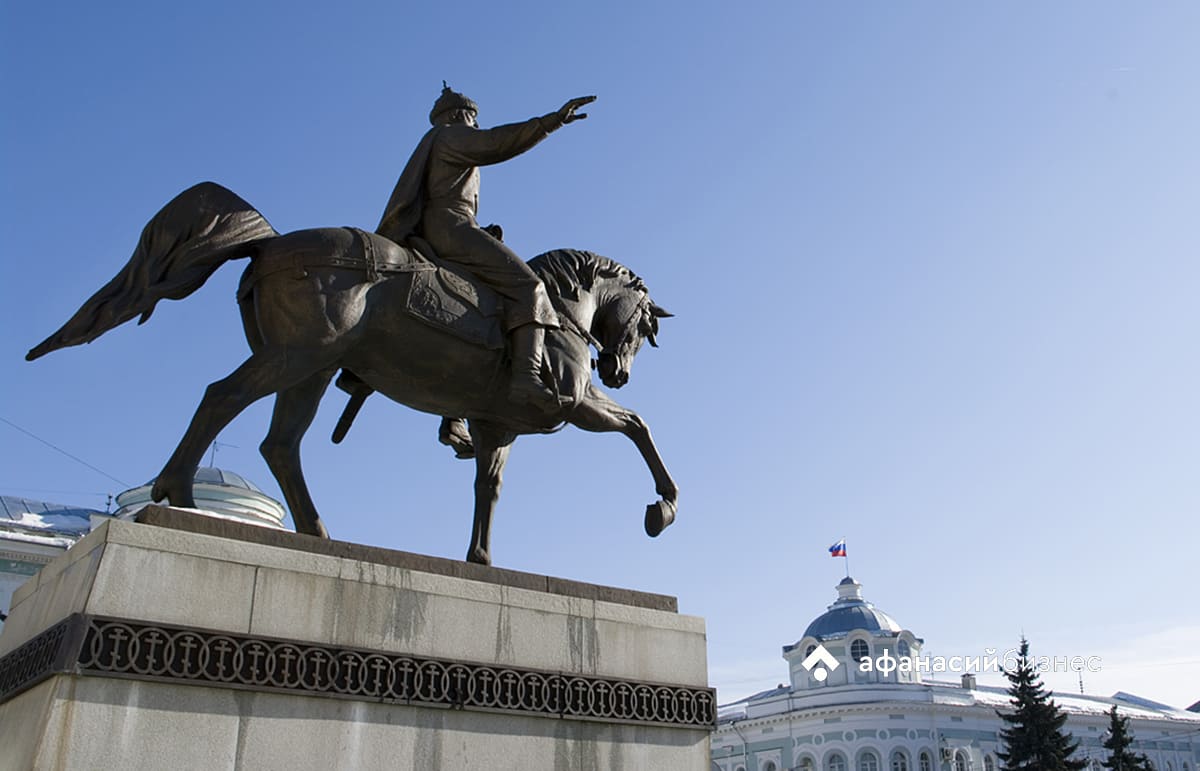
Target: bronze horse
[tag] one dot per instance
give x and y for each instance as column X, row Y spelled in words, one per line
column 317, row 311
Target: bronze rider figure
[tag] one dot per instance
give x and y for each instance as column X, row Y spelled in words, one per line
column 437, row 198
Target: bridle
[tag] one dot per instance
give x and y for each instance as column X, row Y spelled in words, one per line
column 573, row 324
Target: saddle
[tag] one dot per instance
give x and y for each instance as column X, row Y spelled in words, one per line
column 439, row 294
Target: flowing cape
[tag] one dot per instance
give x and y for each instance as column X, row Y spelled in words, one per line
column 403, row 212
column 201, row 228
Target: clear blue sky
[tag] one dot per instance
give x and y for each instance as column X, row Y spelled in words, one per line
column 934, row 267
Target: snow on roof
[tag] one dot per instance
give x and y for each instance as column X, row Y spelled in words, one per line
column 1140, row 701
column 1083, row 704
column 726, row 714
column 44, row 539
column 41, row 516
column 953, row 694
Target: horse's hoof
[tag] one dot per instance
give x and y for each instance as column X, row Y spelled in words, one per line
column 175, row 493
column 479, row 557
column 317, row 530
column 658, row 515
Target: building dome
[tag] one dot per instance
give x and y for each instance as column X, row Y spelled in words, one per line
column 218, row 492
column 219, row 476
column 848, row 613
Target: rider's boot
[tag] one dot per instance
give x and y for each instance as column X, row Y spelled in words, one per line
column 527, row 387
column 453, row 433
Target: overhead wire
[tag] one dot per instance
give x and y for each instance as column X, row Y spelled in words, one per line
column 64, row 452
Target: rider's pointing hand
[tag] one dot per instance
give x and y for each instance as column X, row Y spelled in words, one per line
column 567, row 114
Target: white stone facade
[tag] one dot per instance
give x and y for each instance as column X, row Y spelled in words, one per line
column 900, row 721
column 32, row 534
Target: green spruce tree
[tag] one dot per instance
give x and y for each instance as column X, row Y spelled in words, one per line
column 1033, row 737
column 1119, row 740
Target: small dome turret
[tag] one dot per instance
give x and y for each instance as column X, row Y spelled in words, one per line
column 849, row 613
column 850, row 632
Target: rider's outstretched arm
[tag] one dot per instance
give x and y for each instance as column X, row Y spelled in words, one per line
column 469, row 146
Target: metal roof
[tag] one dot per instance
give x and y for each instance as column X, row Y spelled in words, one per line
column 850, row 612
column 211, row 475
column 41, row 515
column 842, row 619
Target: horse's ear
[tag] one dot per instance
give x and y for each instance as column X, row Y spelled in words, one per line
column 649, row 330
column 659, row 312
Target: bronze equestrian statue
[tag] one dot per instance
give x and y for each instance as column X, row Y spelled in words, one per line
column 419, row 325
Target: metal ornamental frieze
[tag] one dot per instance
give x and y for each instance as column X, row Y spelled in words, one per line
column 514, row 357
column 36, row 659
column 131, row 649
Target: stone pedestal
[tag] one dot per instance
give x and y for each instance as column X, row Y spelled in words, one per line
column 180, row 642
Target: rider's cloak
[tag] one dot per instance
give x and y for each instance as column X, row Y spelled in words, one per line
column 403, row 212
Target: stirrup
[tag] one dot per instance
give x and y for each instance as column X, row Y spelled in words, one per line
column 534, row 393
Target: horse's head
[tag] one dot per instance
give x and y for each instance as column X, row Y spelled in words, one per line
column 621, row 327
column 619, row 314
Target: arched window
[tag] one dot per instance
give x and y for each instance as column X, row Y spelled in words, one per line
column 835, row 762
column 868, row 761
column 899, row 761
column 809, row 651
column 770, row 766
column 859, row 650
column 988, row 763
column 926, row 762
column 806, row 764
column 960, row 761
column 903, row 649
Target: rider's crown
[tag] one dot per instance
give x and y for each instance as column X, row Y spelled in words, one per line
column 449, row 101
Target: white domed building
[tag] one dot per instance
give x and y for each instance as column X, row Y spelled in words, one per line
column 833, row 716
column 32, row 533
column 218, row 493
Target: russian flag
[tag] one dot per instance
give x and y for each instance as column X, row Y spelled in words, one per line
column 838, row 549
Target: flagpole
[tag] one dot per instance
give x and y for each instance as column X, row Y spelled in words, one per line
column 846, row 556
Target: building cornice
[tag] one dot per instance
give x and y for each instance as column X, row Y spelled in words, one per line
column 24, row 556
column 870, row 706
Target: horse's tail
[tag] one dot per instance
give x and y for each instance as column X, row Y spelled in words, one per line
column 199, row 230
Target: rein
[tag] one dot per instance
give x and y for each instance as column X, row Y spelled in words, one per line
column 573, row 325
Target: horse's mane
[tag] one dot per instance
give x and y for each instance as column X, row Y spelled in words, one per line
column 566, row 271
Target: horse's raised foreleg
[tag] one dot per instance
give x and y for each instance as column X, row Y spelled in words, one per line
column 266, row 371
column 295, row 409
column 596, row 412
column 492, row 445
